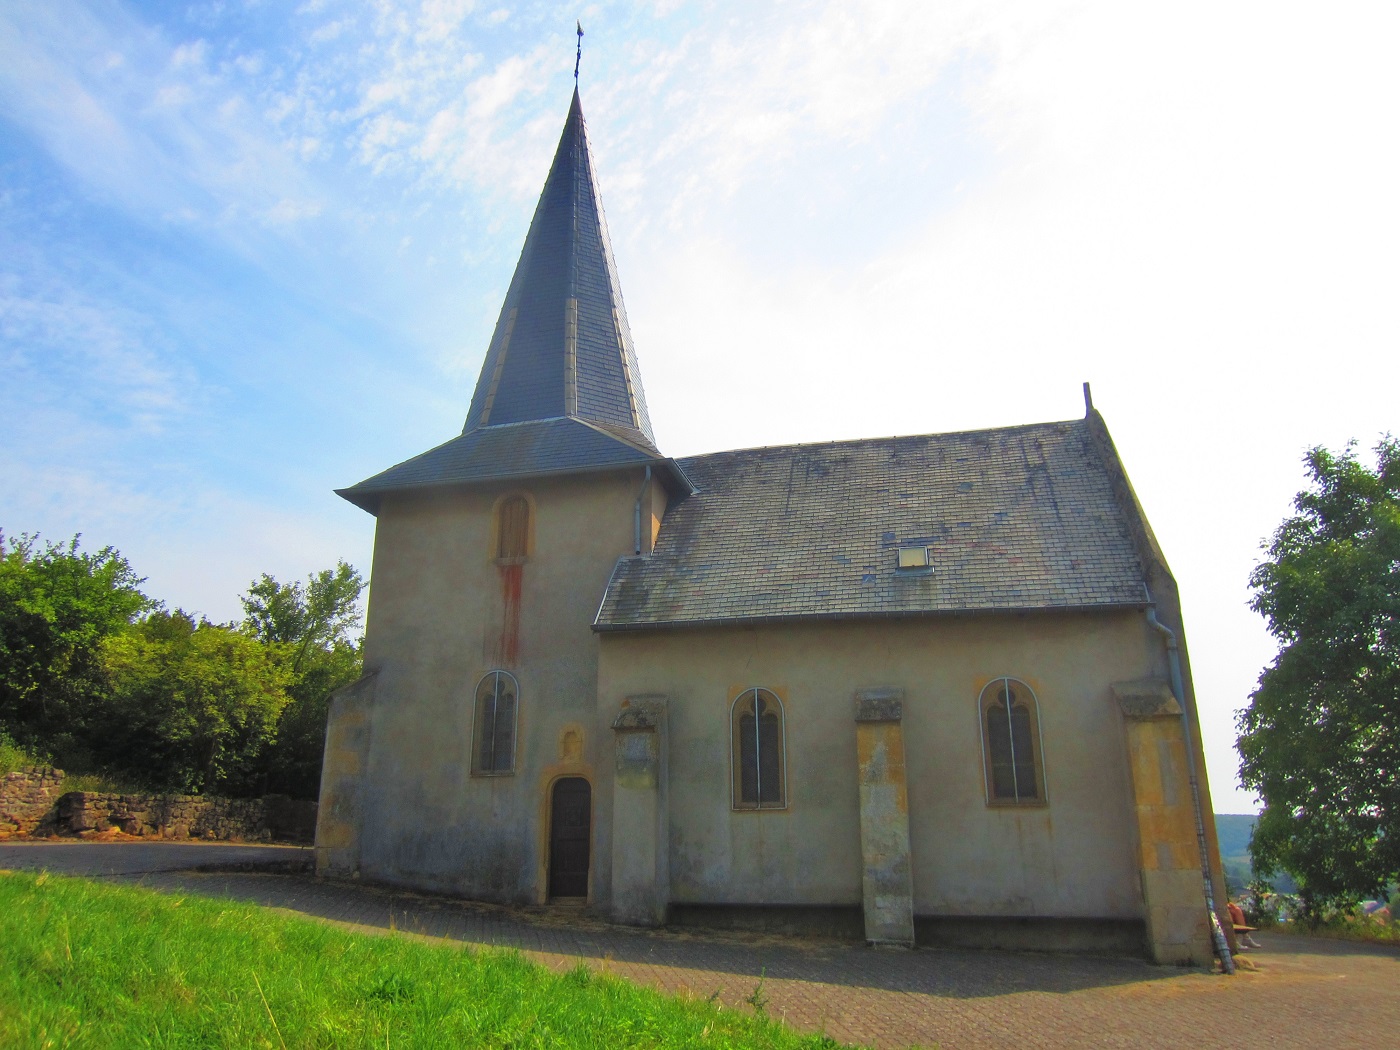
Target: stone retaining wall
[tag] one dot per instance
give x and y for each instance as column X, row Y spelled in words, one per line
column 34, row 801
column 27, row 798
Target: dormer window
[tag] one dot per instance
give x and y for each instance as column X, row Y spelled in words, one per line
column 914, row 559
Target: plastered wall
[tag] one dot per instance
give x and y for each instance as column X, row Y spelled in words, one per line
column 442, row 612
column 1075, row 856
column 400, row 804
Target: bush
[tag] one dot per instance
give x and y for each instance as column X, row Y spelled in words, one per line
column 14, row 758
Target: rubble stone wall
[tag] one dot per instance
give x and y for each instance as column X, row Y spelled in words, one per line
column 28, row 798
column 34, row 801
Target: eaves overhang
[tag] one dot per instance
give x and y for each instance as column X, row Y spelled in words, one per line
column 848, row 617
column 668, row 471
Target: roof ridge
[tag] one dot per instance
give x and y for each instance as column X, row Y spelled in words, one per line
column 607, row 429
column 889, row 437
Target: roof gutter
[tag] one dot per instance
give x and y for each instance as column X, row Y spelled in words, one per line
column 1222, row 946
column 820, row 617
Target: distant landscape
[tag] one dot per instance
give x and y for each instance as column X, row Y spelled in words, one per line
column 1232, row 831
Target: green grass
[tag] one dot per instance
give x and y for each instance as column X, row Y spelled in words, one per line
column 84, row 964
column 102, row 783
column 14, row 758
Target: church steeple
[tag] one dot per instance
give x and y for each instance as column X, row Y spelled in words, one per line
column 562, row 347
column 559, row 391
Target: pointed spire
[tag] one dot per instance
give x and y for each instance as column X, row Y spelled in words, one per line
column 562, row 346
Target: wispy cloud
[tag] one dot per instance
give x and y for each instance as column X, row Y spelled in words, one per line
column 146, row 122
column 84, row 359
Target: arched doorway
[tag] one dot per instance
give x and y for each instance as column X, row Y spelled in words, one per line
column 570, row 831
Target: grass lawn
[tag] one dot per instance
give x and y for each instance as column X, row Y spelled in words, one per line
column 85, row 964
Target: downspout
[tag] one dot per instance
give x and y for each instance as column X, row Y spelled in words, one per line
column 637, row 513
column 1222, row 946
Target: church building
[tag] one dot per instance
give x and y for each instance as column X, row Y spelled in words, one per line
column 920, row 690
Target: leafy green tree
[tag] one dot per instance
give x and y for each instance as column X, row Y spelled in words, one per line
column 194, row 705
column 1320, row 740
column 57, row 605
column 312, row 626
column 317, row 615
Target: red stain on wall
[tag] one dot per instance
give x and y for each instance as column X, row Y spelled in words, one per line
column 512, row 577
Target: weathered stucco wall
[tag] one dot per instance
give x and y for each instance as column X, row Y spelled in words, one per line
column 442, row 613
column 1073, row 857
column 400, row 803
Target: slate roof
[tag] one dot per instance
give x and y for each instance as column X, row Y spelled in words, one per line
column 534, row 448
column 559, row 391
column 539, row 366
column 1017, row 518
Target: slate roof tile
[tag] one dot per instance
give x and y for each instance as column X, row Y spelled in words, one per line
column 529, row 449
column 527, row 373
column 1015, row 518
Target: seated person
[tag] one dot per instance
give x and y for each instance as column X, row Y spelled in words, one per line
column 1242, row 932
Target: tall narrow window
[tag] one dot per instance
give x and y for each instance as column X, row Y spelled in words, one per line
column 493, row 729
column 1011, row 743
column 759, row 754
column 513, row 527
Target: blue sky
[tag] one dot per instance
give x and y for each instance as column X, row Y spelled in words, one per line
column 251, row 252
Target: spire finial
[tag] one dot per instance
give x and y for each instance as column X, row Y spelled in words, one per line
column 578, row 55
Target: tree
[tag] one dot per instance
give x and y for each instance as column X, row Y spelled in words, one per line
column 193, row 706
column 317, row 615
column 312, row 627
column 57, row 605
column 1320, row 740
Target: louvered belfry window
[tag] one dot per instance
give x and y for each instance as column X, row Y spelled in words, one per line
column 493, row 728
column 1011, row 743
column 513, row 527
column 759, row 753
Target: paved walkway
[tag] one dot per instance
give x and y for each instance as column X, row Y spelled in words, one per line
column 1304, row 992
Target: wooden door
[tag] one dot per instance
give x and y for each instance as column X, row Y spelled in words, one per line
column 570, row 815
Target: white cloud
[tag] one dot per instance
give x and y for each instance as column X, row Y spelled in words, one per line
column 191, row 54
column 330, row 31
column 67, row 354
column 157, row 131
column 439, row 19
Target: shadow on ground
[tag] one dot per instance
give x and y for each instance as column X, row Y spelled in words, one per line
column 213, row 870
column 744, row 958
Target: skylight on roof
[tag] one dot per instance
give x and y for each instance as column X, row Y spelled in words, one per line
column 914, row 559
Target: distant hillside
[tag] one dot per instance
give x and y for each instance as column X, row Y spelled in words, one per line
column 1232, row 830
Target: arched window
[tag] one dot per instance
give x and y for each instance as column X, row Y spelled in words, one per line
column 493, row 727
column 1011, row 743
column 513, row 527
column 759, row 751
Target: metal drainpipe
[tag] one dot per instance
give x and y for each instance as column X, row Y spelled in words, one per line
column 637, row 513
column 1222, row 945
